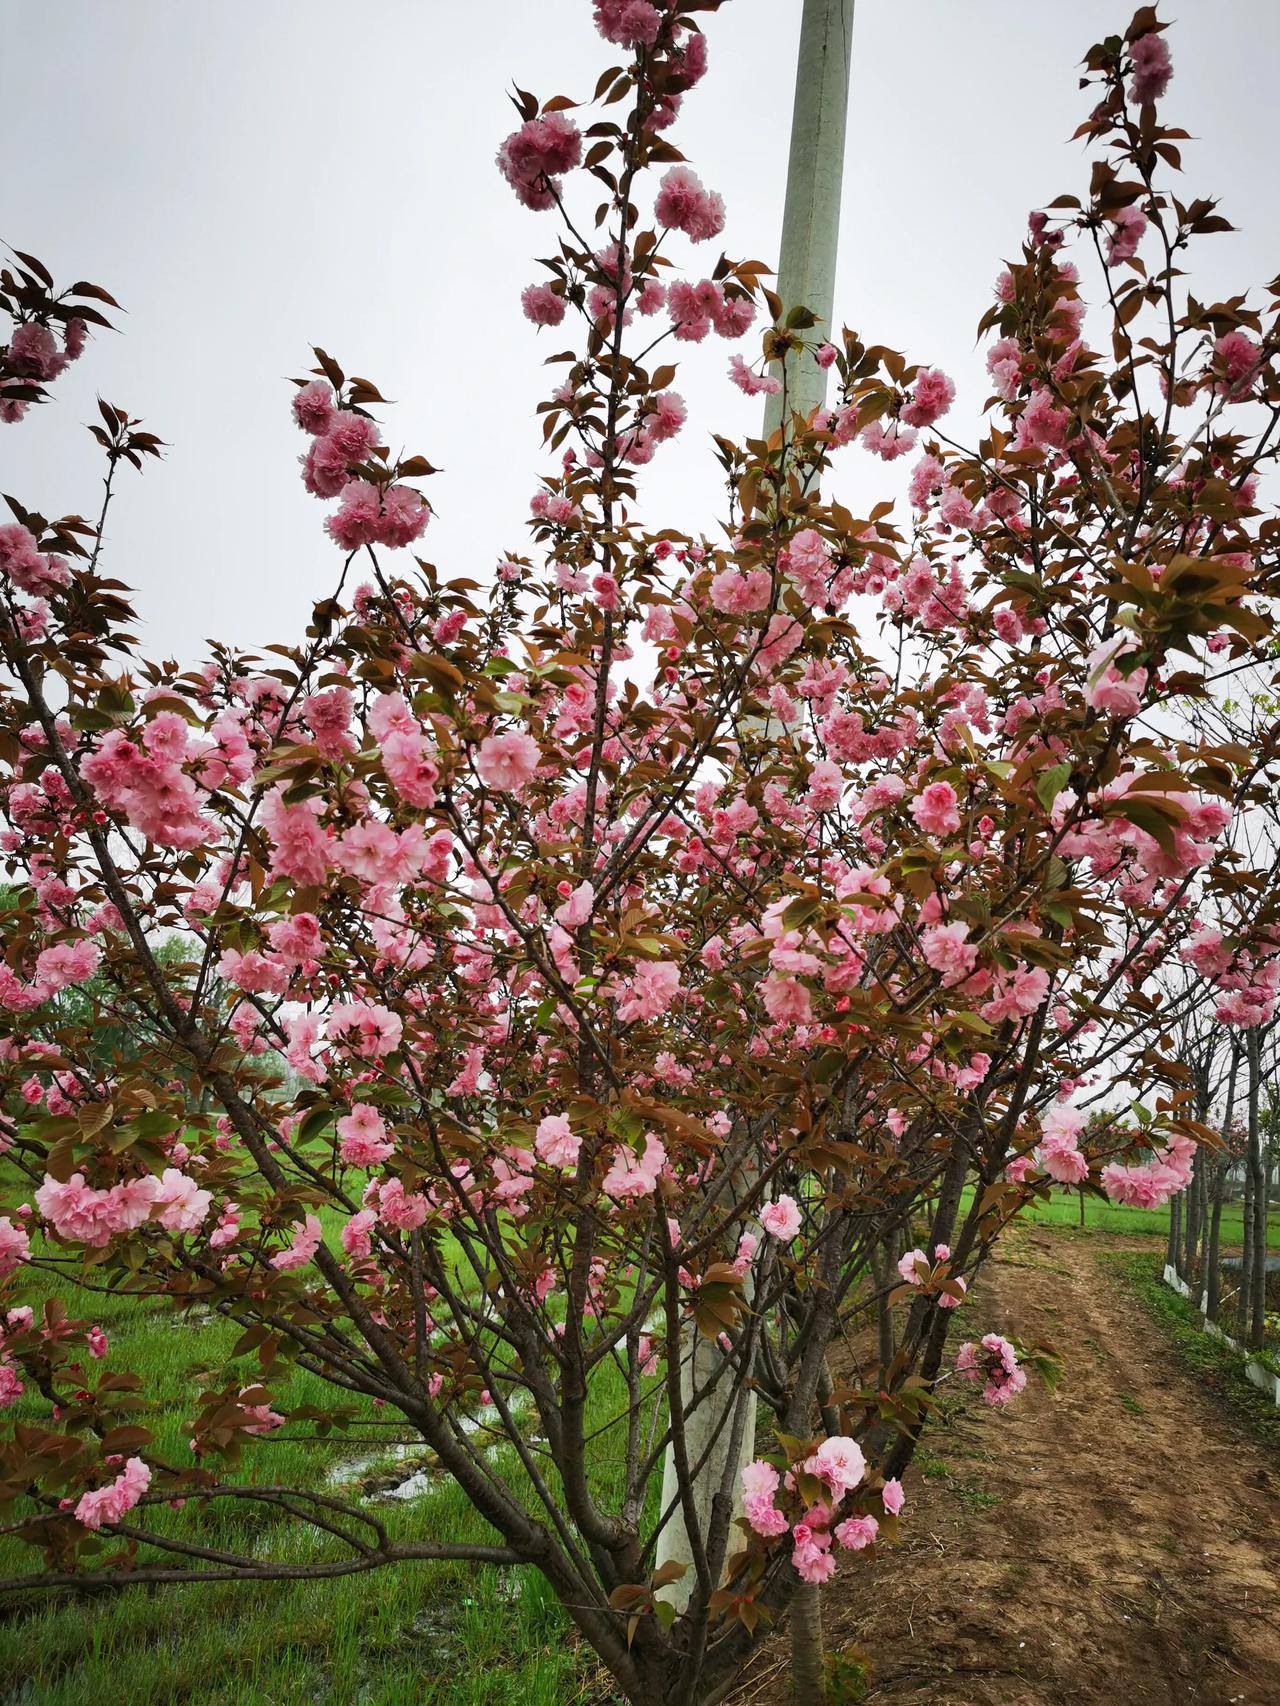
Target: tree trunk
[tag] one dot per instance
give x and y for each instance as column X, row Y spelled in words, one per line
column 1253, row 1258
column 1213, row 1274
column 1246, row 1260
column 1191, row 1224
column 1173, row 1250
column 881, row 1268
column 1258, row 1289
column 808, row 1680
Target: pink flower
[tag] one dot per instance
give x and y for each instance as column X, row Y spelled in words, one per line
column 555, row 1142
column 296, row 938
column 301, row 1248
column 752, row 384
column 314, row 407
column 20, row 560
column 760, row 1480
column 910, row 1266
column 763, row 1515
column 945, row 1298
column 786, row 1001
column 839, row 1463
column 684, row 205
column 947, row 949
column 996, row 1361
column 542, row 305
column 1151, row 69
column 354, row 1235
column 533, row 158
column 576, row 909
column 182, row 1204
column 825, row 785
column 364, row 1136
column 935, row 809
column 11, row 1387
column 1206, row 951
column 931, row 397
column 857, row 1532
column 1106, row 688
column 813, row 1563
column 403, row 518
column 893, row 1496
column 1238, row 356
column 15, row 1246
column 781, row 1218
column 667, row 414
column 628, row 23
column 651, row 989
column 1042, row 426
column 507, row 762
column 890, row 442
column 96, row 1343
column 1127, row 227
column 631, row 1176
column 108, row 1504
column 735, row 593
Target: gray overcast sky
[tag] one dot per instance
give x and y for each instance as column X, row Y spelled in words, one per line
column 249, row 177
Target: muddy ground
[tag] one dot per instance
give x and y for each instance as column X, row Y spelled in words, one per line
column 1116, row 1543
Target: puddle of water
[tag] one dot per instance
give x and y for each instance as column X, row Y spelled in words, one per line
column 428, row 1477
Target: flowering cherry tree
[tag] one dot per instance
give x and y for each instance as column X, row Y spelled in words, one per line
column 538, row 973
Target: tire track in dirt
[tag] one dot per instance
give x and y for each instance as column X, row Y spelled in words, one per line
column 1118, row 1542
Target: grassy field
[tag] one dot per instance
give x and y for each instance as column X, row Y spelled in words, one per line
column 1064, row 1210
column 440, row 1634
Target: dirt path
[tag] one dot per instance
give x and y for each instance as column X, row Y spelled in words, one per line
column 1117, row 1543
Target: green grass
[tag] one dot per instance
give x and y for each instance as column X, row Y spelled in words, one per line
column 1213, row 1363
column 1063, row 1209
column 442, row 1634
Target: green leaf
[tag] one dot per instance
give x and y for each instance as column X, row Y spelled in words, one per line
column 1050, row 783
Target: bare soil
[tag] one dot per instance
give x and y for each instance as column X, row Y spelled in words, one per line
column 1118, row 1542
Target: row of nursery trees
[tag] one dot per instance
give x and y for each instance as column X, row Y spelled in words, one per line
column 657, row 929
column 1234, row 1076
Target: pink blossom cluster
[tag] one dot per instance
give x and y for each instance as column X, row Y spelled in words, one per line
column 683, row 204
column 83, row 1214
column 1154, row 1182
column 934, row 1278
column 534, row 158
column 368, row 513
column 995, row 1362
column 25, row 565
column 15, row 1246
column 1107, row 687
column 302, row 1246
column 1059, row 1147
column 149, row 783
column 33, row 354
column 839, row 1467
column 781, row 1218
column 1152, row 69
column 628, row 23
column 697, row 309
column 104, row 1506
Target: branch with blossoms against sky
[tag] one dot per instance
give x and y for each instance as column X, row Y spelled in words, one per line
column 557, row 959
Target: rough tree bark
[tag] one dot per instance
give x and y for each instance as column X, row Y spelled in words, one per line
column 1212, row 1296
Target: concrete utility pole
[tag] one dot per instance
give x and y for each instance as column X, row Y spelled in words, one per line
column 815, row 171
column 806, row 277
